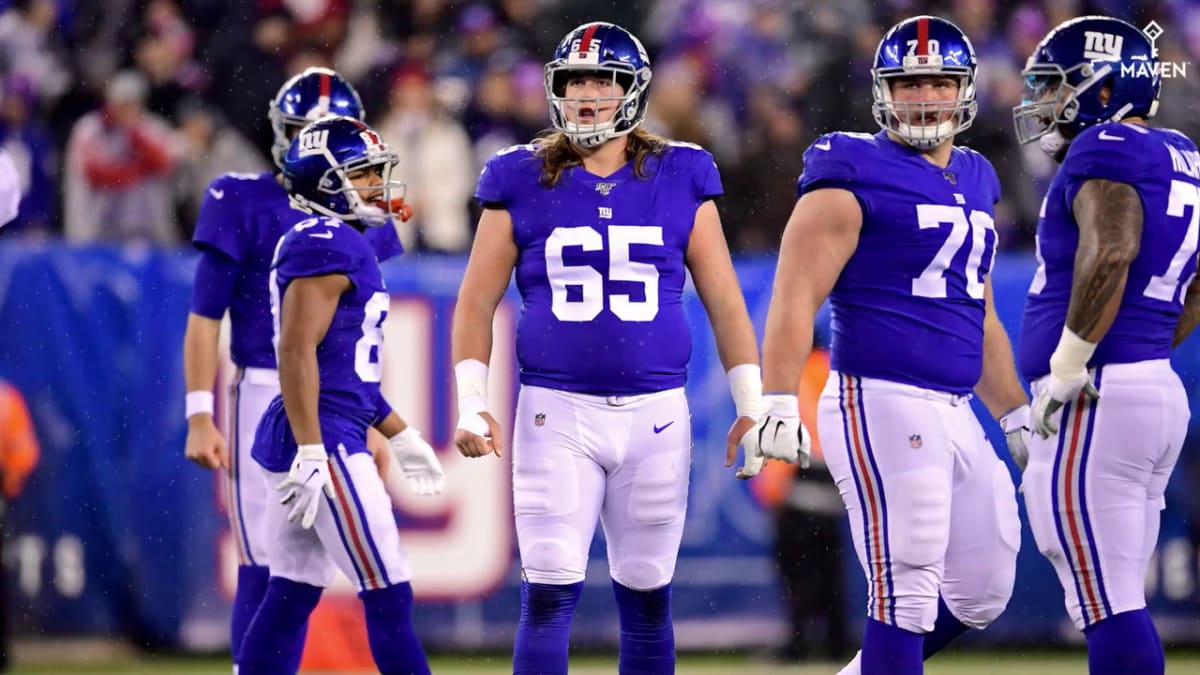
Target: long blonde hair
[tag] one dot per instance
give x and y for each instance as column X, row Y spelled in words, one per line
column 558, row 153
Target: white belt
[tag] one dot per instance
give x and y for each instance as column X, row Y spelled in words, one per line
column 260, row 376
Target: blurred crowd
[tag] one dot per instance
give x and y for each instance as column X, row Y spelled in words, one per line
column 119, row 112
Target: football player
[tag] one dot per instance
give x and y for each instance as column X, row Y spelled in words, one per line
column 328, row 304
column 242, row 218
column 896, row 230
column 1113, row 293
column 601, row 222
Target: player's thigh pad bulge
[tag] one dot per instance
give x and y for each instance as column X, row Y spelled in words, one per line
column 552, row 548
column 545, row 481
column 1008, row 522
column 659, row 493
column 918, row 515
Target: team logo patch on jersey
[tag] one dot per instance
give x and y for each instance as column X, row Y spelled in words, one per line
column 605, row 188
column 539, row 420
column 606, row 212
column 915, row 441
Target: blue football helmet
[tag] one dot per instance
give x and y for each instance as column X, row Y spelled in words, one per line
column 924, row 45
column 1066, row 71
column 608, row 50
column 318, row 165
column 307, row 97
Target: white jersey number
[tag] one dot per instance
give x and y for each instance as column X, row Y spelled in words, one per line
column 366, row 350
column 591, row 283
column 1167, row 286
column 932, row 282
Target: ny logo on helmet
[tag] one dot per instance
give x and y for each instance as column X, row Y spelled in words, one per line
column 313, row 142
column 1102, row 46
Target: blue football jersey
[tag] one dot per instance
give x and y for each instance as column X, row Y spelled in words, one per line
column 1164, row 167
column 348, row 356
column 601, row 268
column 909, row 305
column 242, row 217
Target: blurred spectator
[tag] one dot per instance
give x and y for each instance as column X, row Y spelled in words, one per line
column 491, row 117
column 680, row 111
column 164, row 54
column 319, row 24
column 246, row 74
column 18, row 457
column 29, row 48
column 118, row 166
column 29, row 145
column 533, row 113
column 436, row 164
column 207, row 148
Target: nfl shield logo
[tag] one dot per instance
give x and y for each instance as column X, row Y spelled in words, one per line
column 539, row 420
column 915, row 441
column 950, row 177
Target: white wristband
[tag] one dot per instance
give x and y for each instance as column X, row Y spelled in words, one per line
column 311, row 451
column 745, row 385
column 470, row 377
column 1072, row 354
column 198, row 403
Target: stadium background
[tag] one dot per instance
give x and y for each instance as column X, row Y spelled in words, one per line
column 119, row 538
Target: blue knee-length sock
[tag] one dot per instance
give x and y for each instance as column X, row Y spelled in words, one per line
column 945, row 629
column 1125, row 643
column 394, row 643
column 544, row 631
column 251, row 587
column 270, row 645
column 647, row 637
column 888, row 650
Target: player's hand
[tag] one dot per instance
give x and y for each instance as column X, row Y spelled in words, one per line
column 308, row 477
column 477, row 434
column 418, row 461
column 1057, row 390
column 1017, row 432
column 778, row 434
column 205, row 444
column 753, row 462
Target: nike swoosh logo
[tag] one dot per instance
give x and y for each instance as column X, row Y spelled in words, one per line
column 322, row 235
column 821, row 146
column 217, row 194
column 659, row 430
column 1103, row 135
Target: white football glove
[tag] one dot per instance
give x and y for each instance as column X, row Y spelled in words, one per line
column 1015, row 424
column 779, row 434
column 308, row 476
column 418, row 461
column 1057, row 390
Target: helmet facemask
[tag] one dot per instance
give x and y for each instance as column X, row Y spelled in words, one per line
column 1050, row 101
column 629, row 111
column 949, row 117
column 381, row 202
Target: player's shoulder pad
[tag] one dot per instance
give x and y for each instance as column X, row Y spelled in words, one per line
column 832, row 159
column 322, row 245
column 1112, row 151
column 233, row 187
column 513, row 158
column 984, row 165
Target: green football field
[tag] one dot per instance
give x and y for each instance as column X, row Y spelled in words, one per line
column 970, row 663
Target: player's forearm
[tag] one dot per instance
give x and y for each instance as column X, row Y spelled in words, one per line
column 787, row 343
column 391, row 425
column 300, row 384
column 200, row 352
column 1109, row 215
column 998, row 386
column 471, row 330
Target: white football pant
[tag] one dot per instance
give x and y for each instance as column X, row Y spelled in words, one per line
column 1094, row 491
column 246, row 493
column 624, row 459
column 932, row 508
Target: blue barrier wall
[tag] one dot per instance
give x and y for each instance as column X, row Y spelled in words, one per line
column 118, row 534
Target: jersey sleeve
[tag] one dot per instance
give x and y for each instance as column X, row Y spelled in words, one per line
column 1105, row 152
column 708, row 177
column 827, row 165
column 219, row 226
column 492, row 190
column 318, row 250
column 385, row 240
